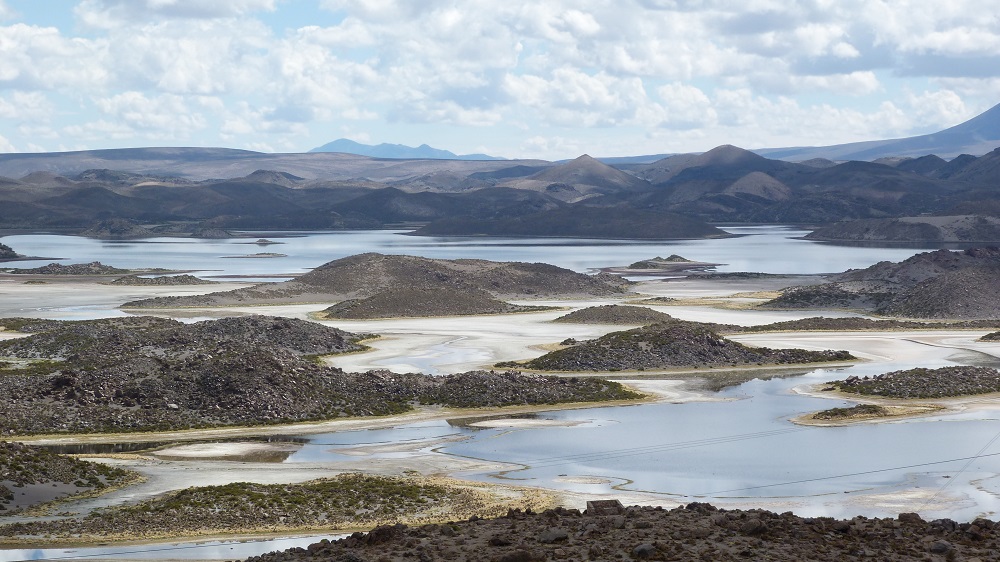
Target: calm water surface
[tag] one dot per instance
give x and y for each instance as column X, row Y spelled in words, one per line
column 769, row 249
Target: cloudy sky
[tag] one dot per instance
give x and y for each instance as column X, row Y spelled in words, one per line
column 546, row 78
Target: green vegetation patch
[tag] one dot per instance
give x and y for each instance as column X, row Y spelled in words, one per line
column 348, row 500
column 23, row 466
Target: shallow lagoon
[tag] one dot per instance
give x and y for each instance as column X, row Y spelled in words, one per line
column 768, row 249
column 741, row 451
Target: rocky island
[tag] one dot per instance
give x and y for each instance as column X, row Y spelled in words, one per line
column 143, row 373
column 417, row 302
column 366, row 275
column 669, row 345
column 924, row 383
column 614, row 314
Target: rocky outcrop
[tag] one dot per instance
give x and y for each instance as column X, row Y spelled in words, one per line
column 939, row 284
column 145, row 373
column 7, row 253
column 614, row 314
column 92, row 268
column 422, row 302
column 698, row 531
column 117, row 229
column 366, row 275
column 135, row 280
column 925, row 383
column 670, row 345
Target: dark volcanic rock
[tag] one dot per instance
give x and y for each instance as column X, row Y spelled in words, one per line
column 7, row 253
column 614, row 314
column 92, row 268
column 144, row 373
column 416, row 302
column 117, row 229
column 161, row 280
column 668, row 345
column 939, row 284
column 925, row 383
column 365, row 275
column 694, row 532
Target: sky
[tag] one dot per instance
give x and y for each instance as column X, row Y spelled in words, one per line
column 547, row 79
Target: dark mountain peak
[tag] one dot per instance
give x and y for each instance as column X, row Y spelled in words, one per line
column 585, row 170
column 925, row 165
column 283, row 179
column 727, row 155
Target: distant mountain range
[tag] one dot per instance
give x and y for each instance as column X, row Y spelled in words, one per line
column 977, row 136
column 399, row 151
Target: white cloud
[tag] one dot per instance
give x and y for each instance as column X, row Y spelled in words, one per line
column 695, row 68
column 106, row 14
column 22, row 106
column 164, row 116
column 41, row 58
column 942, row 108
column 686, row 107
column 6, row 146
column 572, row 98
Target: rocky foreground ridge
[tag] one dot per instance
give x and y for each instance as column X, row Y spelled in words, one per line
column 144, row 373
column 366, row 275
column 939, row 284
column 667, row 345
column 698, row 531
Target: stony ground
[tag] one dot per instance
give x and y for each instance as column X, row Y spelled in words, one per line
column 669, row 344
column 365, row 275
column 614, row 314
column 135, row 280
column 939, row 284
column 695, row 532
column 92, row 268
column 419, row 302
column 145, row 373
column 924, row 383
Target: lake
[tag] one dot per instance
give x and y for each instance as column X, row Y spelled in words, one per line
column 768, row 249
column 741, row 450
